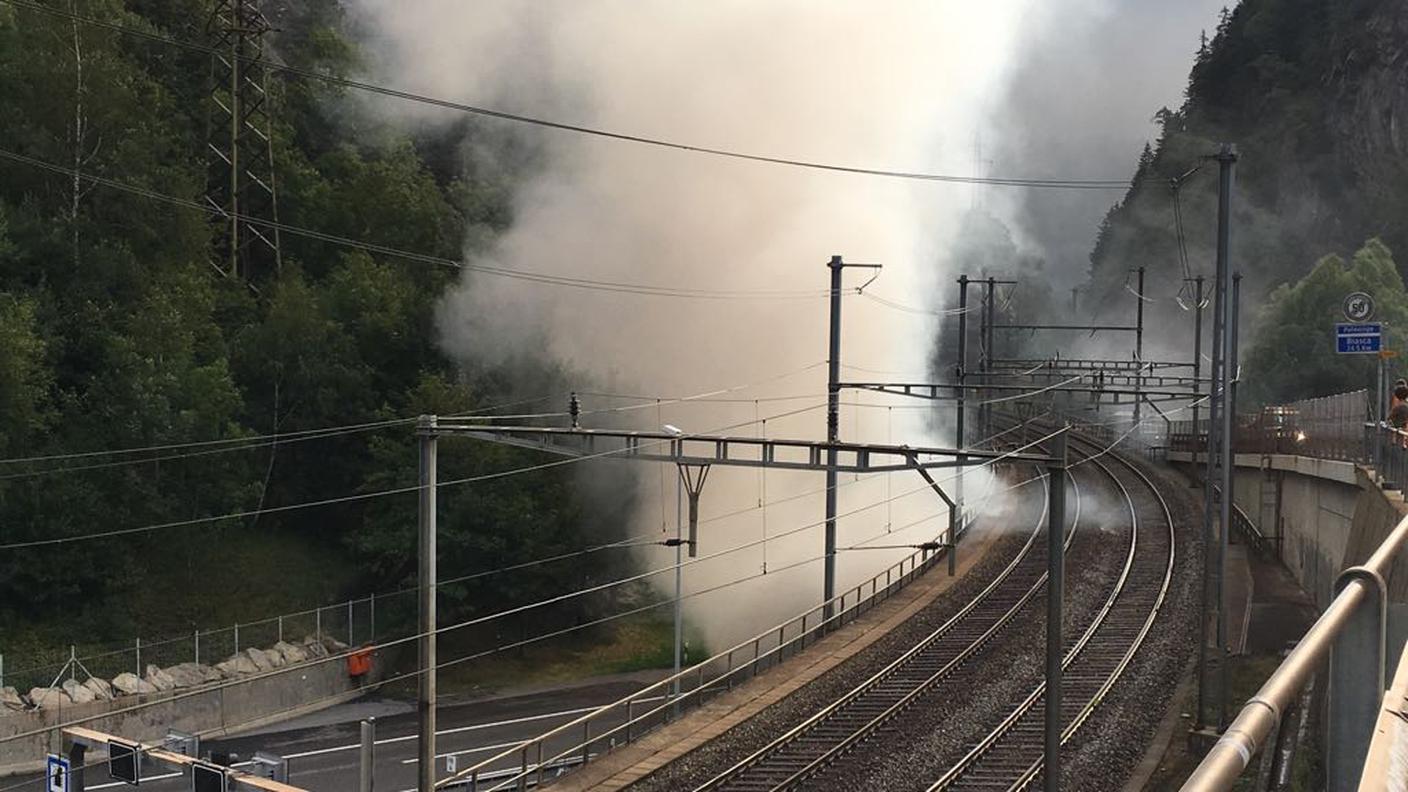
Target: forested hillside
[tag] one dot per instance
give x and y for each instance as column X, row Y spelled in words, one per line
column 117, row 332
column 1314, row 94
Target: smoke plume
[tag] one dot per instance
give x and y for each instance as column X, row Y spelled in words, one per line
column 901, row 84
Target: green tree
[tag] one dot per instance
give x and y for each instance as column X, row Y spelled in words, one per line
column 1293, row 353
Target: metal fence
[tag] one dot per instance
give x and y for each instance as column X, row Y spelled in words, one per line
column 630, row 718
column 1330, row 427
column 355, row 621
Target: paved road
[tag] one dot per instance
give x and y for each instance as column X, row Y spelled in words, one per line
column 323, row 749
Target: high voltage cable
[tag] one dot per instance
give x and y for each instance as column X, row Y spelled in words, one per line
column 637, row 540
column 343, row 82
column 423, row 258
column 355, row 497
column 437, row 630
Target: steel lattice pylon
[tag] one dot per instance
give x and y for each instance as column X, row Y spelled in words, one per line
column 239, row 148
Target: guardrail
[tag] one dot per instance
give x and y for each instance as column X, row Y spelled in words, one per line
column 628, row 719
column 1351, row 637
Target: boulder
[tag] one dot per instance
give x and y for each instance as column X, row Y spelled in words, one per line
column 237, row 665
column 49, row 698
column 315, row 647
column 261, row 661
column 130, row 684
column 77, row 692
column 159, row 679
column 101, row 690
column 275, row 657
column 10, row 698
column 333, row 645
column 291, row 653
column 187, row 675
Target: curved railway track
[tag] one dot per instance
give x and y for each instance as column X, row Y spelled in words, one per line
column 1009, row 756
column 796, row 754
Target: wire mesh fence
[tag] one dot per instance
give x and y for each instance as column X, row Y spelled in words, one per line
column 351, row 622
column 1329, row 427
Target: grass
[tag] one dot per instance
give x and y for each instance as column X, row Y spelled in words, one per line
column 180, row 587
column 1246, row 675
column 640, row 643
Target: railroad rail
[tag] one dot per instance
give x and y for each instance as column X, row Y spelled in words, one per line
column 822, row 738
column 1009, row 756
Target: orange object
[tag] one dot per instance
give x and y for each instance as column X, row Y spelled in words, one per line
column 359, row 663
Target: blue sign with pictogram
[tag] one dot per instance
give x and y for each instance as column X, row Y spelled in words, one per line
column 1359, row 339
column 56, row 773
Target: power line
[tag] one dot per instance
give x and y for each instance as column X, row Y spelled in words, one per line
column 355, row 497
column 343, row 82
column 422, row 258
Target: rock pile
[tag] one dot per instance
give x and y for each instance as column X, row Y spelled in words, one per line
column 158, row 680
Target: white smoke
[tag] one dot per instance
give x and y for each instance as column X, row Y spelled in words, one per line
column 900, row 84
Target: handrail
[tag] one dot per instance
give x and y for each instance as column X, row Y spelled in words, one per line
column 580, row 727
column 1231, row 754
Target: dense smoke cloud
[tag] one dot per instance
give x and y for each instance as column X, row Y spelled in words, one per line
column 902, row 84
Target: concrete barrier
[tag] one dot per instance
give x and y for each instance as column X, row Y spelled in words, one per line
column 213, row 710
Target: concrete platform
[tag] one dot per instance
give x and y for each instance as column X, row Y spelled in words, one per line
column 634, row 762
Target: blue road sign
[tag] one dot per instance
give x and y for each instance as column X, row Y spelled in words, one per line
column 56, row 773
column 1359, row 339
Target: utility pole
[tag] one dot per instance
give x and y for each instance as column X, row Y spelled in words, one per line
column 833, row 432
column 240, row 179
column 988, row 353
column 1226, row 160
column 833, row 425
column 1197, row 355
column 425, row 699
column 962, row 437
column 679, row 583
column 367, row 774
column 1055, row 592
column 1139, row 347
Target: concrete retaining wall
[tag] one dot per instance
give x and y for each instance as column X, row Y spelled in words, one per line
column 1331, row 516
column 219, row 709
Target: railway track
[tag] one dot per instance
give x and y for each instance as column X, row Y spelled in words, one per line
column 796, row 754
column 1009, row 755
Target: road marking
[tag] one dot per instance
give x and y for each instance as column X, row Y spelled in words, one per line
column 467, row 751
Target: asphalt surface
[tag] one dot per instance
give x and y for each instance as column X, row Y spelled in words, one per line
column 323, row 750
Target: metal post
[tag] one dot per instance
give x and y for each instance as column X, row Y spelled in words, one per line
column 197, row 653
column 1139, row 349
column 1055, row 591
column 371, row 617
column 425, row 704
column 350, row 642
column 2, row 669
column 1226, row 159
column 962, row 435
column 368, row 762
column 1197, row 359
column 139, row 657
column 833, row 430
column 76, row 767
column 679, row 584
column 237, row 637
column 989, row 318
column 1357, row 681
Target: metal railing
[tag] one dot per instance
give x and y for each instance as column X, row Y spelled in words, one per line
column 1329, row 427
column 1351, row 637
column 628, row 719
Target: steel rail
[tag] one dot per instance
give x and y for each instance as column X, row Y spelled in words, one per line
column 855, row 735
column 1028, row 705
column 1088, row 707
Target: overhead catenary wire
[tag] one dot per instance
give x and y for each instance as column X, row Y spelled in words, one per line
column 351, row 498
column 343, row 82
column 410, row 255
column 511, row 611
